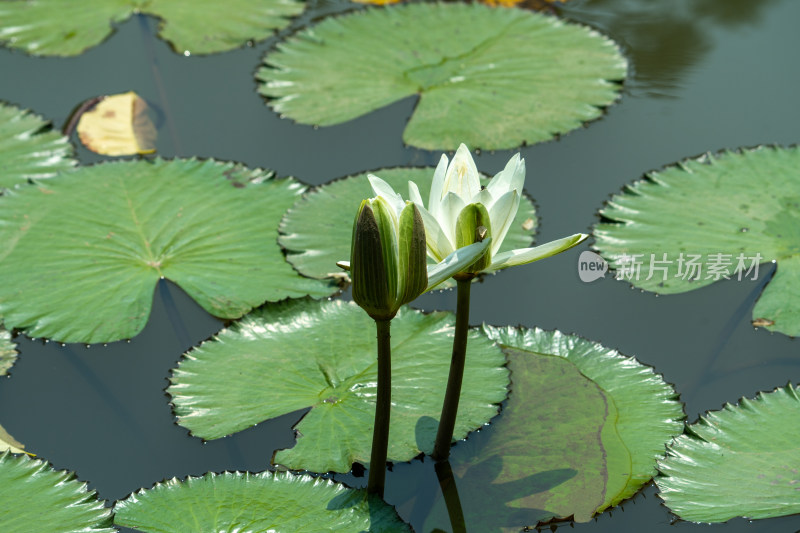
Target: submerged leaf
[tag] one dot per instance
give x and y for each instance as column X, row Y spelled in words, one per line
column 315, row 244
column 28, row 149
column 580, row 432
column 81, row 255
column 237, row 501
column 38, row 498
column 713, row 218
column 322, row 356
column 118, row 125
column 740, row 461
column 489, row 78
column 68, row 27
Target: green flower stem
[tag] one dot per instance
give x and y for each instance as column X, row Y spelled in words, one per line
column 380, row 433
column 447, row 422
column 447, row 483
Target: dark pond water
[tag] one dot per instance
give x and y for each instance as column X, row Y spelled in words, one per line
column 706, row 75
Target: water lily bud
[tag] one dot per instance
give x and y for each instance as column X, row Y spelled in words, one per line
column 388, row 257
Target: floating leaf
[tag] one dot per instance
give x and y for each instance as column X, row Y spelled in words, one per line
column 7, row 442
column 38, row 498
column 580, row 432
column 81, row 255
column 690, row 225
column 236, row 501
column 68, row 27
column 321, row 355
column 118, row 125
column 490, row 78
column 8, row 351
column 316, row 243
column 28, row 149
column 740, row 461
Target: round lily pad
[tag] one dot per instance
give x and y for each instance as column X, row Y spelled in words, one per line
column 29, row 149
column 740, row 461
column 490, row 78
column 236, row 501
column 38, row 498
column 715, row 217
column 8, row 351
column 69, row 27
column 580, row 432
column 314, row 244
column 322, row 355
column 80, row 255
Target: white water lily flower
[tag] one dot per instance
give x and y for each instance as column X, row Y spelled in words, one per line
column 388, row 257
column 458, row 205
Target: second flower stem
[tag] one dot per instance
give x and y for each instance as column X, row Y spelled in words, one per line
column 380, row 431
column 447, row 422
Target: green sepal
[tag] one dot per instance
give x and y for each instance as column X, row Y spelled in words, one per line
column 413, row 254
column 386, row 218
column 367, row 268
column 468, row 231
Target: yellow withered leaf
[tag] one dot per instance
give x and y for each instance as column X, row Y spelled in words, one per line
column 118, row 125
column 7, row 442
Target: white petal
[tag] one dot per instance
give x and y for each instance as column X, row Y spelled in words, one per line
column 385, row 191
column 344, row 265
column 484, row 197
column 414, row 195
column 462, row 175
column 437, row 186
column 501, row 214
column 456, row 262
column 510, row 178
column 452, row 204
column 439, row 245
column 522, row 256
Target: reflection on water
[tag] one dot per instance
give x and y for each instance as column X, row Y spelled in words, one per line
column 664, row 40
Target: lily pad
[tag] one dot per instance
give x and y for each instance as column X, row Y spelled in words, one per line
column 241, row 501
column 7, row 442
column 69, row 27
column 580, row 432
column 81, row 254
column 29, row 149
column 490, row 78
column 236, row 501
column 8, row 351
column 703, row 220
column 38, row 498
column 740, row 461
column 118, row 125
column 314, row 244
column 321, row 355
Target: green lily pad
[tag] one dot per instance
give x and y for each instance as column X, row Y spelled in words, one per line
column 8, row 351
column 718, row 216
column 37, row 498
column 740, row 461
column 69, row 27
column 264, row 502
column 321, row 355
column 490, row 78
column 314, row 244
column 28, row 148
column 580, row 432
column 80, row 255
